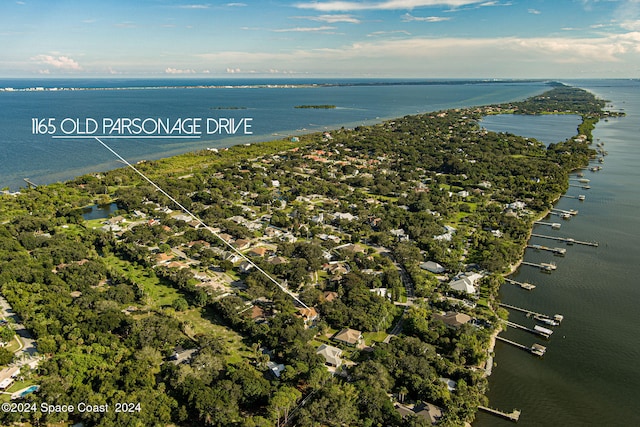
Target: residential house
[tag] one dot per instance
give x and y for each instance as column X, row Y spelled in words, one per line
column 332, row 355
column 433, row 267
column 430, row 412
column 465, row 283
column 260, row 251
column 309, row 315
column 7, row 376
column 348, row 336
column 453, row 319
column 276, row 369
column 330, row 296
column 241, row 244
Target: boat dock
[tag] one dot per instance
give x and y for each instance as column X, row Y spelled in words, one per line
column 29, row 182
column 544, row 266
column 513, row 416
column 557, row 251
column 523, row 285
column 535, row 349
column 572, row 212
column 554, row 225
column 537, row 330
column 557, row 317
column 583, row 186
column 580, row 197
column 567, row 240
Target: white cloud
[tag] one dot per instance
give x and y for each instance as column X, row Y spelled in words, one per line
column 170, row 70
column 194, row 6
column 534, row 11
column 233, row 70
column 462, row 57
column 332, row 6
column 632, row 25
column 126, row 25
column 408, row 18
column 384, row 33
column 236, row 5
column 304, row 29
column 331, row 19
column 59, row 62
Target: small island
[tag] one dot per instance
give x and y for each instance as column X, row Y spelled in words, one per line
column 228, row 108
column 317, row 107
column 391, row 241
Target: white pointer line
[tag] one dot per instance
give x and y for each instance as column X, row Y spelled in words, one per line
column 185, row 210
column 125, row 137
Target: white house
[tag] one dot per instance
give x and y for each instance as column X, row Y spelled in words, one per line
column 465, row 283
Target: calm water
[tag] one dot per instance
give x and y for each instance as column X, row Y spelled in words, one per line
column 46, row 160
column 548, row 129
column 589, row 375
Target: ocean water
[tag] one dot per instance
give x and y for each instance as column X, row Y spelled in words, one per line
column 589, row 375
column 46, row 160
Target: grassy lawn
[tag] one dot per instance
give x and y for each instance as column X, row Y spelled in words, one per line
column 16, row 386
column 205, row 321
column 159, row 294
column 371, row 337
column 13, row 345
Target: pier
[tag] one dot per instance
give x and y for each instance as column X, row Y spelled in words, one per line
column 583, row 186
column 544, row 266
column 537, row 330
column 554, row 225
column 523, row 285
column 535, row 349
column 29, row 182
column 580, row 197
column 557, row 317
column 567, row 240
column 564, row 211
column 513, row 416
column 557, row 251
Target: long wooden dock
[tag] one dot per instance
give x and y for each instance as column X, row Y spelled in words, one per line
column 580, row 197
column 544, row 266
column 523, row 285
column 28, row 181
column 583, row 186
column 556, row 251
column 535, row 349
column 558, row 317
column 512, row 416
column 554, row 225
column 567, row 240
column 543, row 332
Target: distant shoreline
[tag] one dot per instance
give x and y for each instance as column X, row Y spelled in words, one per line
column 51, row 84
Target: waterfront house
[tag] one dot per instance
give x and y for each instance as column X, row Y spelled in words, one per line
column 430, row 412
column 453, row 319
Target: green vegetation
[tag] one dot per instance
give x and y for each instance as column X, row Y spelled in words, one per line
column 149, row 307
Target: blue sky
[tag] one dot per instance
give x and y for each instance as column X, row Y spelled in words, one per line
column 381, row 38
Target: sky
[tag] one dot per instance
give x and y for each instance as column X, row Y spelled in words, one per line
column 302, row 38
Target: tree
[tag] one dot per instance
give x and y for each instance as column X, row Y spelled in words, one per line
column 283, row 401
column 5, row 356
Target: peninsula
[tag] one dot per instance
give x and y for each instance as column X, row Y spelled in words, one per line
column 391, row 241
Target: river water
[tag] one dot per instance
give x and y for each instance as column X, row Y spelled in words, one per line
column 589, row 375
